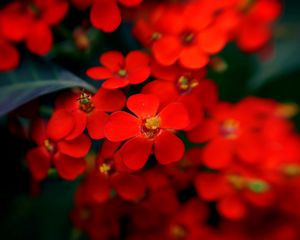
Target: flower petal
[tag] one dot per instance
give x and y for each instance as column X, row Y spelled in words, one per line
column 99, row 73
column 60, row 124
column 67, row 167
column 232, row 207
column 39, row 162
column 9, row 56
column 97, row 188
column 135, row 152
column 174, row 116
column 128, row 186
column 115, row 83
column 217, row 154
column 39, row 40
column 135, row 60
column 105, row 15
column 168, row 147
column 112, row 60
column 76, row 148
column 166, row 50
column 96, row 123
column 109, row 100
column 193, row 58
column 143, row 105
column 121, row 126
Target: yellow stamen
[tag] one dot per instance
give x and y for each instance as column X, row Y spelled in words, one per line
column 152, row 123
column 104, row 168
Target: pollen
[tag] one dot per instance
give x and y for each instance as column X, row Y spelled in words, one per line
column 104, row 168
column 49, row 145
column 151, row 127
column 185, row 84
column 237, row 181
column 178, row 232
column 122, row 73
column 229, row 128
column 188, row 38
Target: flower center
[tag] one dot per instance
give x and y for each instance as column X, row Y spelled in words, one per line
column 85, row 102
column 50, row 146
column 122, row 73
column 188, row 38
column 245, row 5
column 155, row 36
column 236, row 181
column 151, row 127
column 178, row 232
column 291, row 170
column 186, row 84
column 229, row 128
column 104, row 168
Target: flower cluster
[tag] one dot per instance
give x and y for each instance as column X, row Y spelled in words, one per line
column 175, row 161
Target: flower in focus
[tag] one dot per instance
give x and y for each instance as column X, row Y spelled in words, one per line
column 147, row 130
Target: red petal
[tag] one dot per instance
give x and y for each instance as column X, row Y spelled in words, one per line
column 60, row 124
column 128, row 186
column 165, row 91
column 143, row 105
column 232, row 208
column 139, row 75
column 109, row 100
column 96, row 123
column 39, row 131
column 67, row 167
column 105, row 15
column 135, row 152
column 212, row 40
column 113, row 60
column 174, row 116
column 168, row 148
column 108, row 149
column 193, row 58
column 253, row 36
column 55, row 12
column 80, row 121
column 99, row 73
column 39, row 162
column 130, row 3
column 217, row 154
column 166, row 50
column 39, row 40
column 15, row 23
column 135, row 60
column 205, row 131
column 212, row 186
column 9, row 56
column 121, row 126
column 98, row 188
column 82, row 5
column 115, row 83
column 76, row 148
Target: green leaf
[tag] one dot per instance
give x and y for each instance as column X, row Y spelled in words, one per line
column 286, row 60
column 35, row 77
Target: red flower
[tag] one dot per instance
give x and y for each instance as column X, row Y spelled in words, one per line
column 30, row 21
column 147, row 130
column 106, row 15
column 254, row 30
column 109, row 175
column 230, row 132
column 186, row 33
column 65, row 155
column 234, row 190
column 118, row 71
column 175, row 83
column 88, row 110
